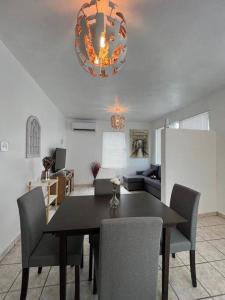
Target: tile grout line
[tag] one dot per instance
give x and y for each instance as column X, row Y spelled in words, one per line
column 200, row 284
column 12, row 284
column 45, row 282
column 217, row 270
column 174, row 291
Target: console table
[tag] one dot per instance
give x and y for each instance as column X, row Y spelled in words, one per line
column 65, row 184
column 50, row 189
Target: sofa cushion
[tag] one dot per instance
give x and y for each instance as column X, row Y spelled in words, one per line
column 152, row 170
column 133, row 178
column 153, row 182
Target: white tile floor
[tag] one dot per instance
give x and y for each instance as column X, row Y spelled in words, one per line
column 210, row 269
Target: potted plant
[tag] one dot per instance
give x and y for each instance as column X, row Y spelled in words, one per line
column 47, row 164
column 95, row 167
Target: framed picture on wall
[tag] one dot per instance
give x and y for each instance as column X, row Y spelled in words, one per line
column 139, row 143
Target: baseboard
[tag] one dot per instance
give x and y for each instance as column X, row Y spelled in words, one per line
column 221, row 215
column 12, row 244
column 209, row 214
column 84, row 185
column 215, row 213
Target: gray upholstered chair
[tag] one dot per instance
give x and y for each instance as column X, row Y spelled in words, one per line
column 126, row 264
column 40, row 249
column 102, row 187
column 185, row 202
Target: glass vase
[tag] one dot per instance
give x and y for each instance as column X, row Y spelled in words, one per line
column 114, row 202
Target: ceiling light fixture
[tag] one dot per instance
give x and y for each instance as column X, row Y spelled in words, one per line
column 117, row 119
column 101, row 38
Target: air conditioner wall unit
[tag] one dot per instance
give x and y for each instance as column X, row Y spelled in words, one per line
column 84, row 125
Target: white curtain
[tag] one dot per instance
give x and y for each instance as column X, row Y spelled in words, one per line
column 114, row 150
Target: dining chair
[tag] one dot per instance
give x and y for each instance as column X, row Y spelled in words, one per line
column 101, row 187
column 126, row 263
column 38, row 249
column 185, row 202
column 104, row 187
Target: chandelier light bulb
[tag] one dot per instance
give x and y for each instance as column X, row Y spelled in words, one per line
column 102, row 41
column 96, row 61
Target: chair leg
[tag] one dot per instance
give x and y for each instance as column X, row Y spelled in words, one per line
column 94, row 284
column 25, row 279
column 77, row 283
column 39, row 270
column 193, row 269
column 82, row 260
column 90, row 263
column 173, row 255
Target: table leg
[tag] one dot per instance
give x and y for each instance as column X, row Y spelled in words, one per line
column 62, row 266
column 165, row 262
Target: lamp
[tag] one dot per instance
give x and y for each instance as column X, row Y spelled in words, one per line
column 117, row 121
column 101, row 38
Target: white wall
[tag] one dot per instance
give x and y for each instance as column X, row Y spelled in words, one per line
column 85, row 147
column 20, row 97
column 189, row 158
column 215, row 105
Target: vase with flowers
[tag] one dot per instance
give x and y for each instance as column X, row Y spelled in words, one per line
column 47, row 164
column 95, row 167
column 115, row 202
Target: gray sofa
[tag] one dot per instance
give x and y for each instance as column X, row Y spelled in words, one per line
column 148, row 180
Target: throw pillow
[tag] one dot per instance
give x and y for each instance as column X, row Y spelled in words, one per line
column 152, row 170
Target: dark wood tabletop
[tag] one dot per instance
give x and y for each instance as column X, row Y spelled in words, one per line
column 83, row 214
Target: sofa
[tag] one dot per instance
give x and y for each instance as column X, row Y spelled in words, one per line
column 148, row 180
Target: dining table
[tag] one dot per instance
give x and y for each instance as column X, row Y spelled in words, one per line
column 82, row 215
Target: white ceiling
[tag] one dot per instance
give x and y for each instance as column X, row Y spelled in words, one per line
column 176, row 54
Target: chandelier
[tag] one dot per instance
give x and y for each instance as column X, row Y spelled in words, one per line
column 117, row 121
column 101, row 38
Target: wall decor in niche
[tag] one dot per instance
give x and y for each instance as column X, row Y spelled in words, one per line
column 139, row 143
column 33, row 137
column 4, row 146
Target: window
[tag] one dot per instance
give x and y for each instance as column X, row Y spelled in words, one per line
column 158, row 145
column 199, row 122
column 114, row 150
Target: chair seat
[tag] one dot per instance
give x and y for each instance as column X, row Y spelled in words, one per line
column 47, row 251
column 179, row 242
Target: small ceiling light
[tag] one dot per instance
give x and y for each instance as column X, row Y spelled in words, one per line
column 117, row 121
column 101, row 38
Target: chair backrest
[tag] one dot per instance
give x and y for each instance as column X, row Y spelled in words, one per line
column 104, row 187
column 185, row 202
column 32, row 221
column 129, row 253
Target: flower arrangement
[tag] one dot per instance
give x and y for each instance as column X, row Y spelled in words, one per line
column 115, row 181
column 115, row 202
column 95, row 167
column 47, row 164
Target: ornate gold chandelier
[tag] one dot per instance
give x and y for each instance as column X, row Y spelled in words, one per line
column 118, row 121
column 101, row 38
